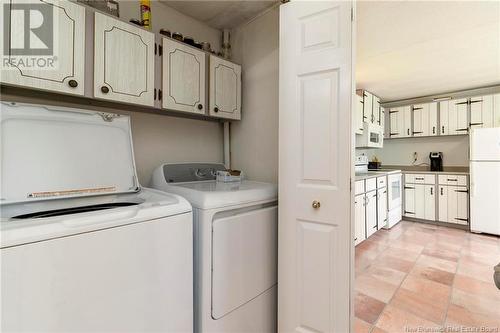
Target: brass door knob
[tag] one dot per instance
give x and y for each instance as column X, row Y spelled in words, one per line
column 316, row 204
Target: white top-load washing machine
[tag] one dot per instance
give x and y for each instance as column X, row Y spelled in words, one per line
column 235, row 246
column 83, row 247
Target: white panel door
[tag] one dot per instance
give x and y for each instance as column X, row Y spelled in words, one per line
column 419, row 201
column 316, row 225
column 371, row 213
column 430, row 202
column 225, row 89
column 419, row 119
column 359, row 219
column 123, row 61
column 481, row 112
column 396, row 123
column 183, row 77
column 381, row 208
column 358, row 124
column 409, row 208
column 443, row 204
column 61, row 68
column 484, row 194
column 458, row 117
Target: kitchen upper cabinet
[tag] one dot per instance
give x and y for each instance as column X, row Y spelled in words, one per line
column 225, row 89
column 66, row 74
column 359, row 219
column 376, row 111
column 123, row 62
column 371, row 213
column 496, row 110
column 482, row 112
column 454, row 117
column 400, row 122
column 184, row 77
column 358, row 116
column 425, row 119
column 381, row 208
column 367, row 107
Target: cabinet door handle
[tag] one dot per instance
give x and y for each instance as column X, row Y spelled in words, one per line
column 200, row 106
column 475, row 124
column 104, row 89
column 452, row 180
column 442, row 191
column 462, row 191
column 432, row 191
column 442, row 129
column 216, row 109
column 419, row 178
column 408, row 131
column 73, row 83
column 433, row 129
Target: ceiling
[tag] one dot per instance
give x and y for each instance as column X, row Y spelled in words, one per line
column 222, row 14
column 411, row 49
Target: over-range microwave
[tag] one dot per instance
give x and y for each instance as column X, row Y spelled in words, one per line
column 372, row 137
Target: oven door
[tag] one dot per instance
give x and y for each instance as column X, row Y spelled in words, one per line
column 395, row 190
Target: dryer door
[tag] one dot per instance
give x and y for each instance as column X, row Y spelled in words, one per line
column 244, row 258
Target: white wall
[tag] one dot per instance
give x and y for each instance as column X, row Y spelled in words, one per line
column 400, row 151
column 160, row 138
column 168, row 18
column 254, row 146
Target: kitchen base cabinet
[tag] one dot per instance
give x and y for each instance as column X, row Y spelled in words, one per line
column 359, row 219
column 420, row 196
column 453, row 204
column 371, row 213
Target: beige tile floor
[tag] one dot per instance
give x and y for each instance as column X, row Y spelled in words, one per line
column 424, row 278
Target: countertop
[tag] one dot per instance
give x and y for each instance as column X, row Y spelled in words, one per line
column 461, row 170
column 409, row 169
column 376, row 173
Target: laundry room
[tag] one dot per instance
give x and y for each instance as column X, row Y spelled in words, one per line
column 250, row 166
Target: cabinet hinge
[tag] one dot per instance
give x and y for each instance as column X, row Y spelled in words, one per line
column 160, row 50
column 160, row 94
column 352, row 14
column 154, row 94
column 156, row 47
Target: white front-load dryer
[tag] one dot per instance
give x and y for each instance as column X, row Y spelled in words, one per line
column 235, row 247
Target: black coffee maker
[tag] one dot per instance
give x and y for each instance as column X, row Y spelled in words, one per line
column 436, row 161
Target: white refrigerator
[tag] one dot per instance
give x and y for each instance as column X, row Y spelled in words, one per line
column 485, row 180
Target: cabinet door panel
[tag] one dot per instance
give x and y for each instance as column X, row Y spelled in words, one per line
column 496, row 110
column 123, row 62
column 358, row 129
column 462, row 123
column 462, row 195
column 395, row 123
column 183, row 77
column 381, row 208
column 419, row 201
column 452, row 204
column 418, row 123
column 409, row 201
column 64, row 69
column 476, row 112
column 359, row 219
column 376, row 110
column 443, row 204
column 368, row 107
column 371, row 213
column 433, row 120
column 225, row 88
column 407, row 121
column 430, row 202
column 444, row 119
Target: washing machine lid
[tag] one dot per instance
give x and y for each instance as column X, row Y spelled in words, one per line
column 214, row 194
column 49, row 152
column 23, row 223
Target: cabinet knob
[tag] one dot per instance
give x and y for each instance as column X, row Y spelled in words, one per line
column 73, row 83
column 104, row 89
column 316, row 204
column 200, row 106
column 216, row 109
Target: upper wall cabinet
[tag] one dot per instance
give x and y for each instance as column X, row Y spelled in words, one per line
column 482, row 111
column 425, row 119
column 358, row 116
column 225, row 89
column 123, row 62
column 60, row 64
column 183, row 77
column 400, row 122
column 453, row 117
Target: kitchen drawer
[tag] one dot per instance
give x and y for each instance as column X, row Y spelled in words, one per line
column 458, row 180
column 370, row 184
column 420, row 178
column 381, row 182
column 359, row 187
